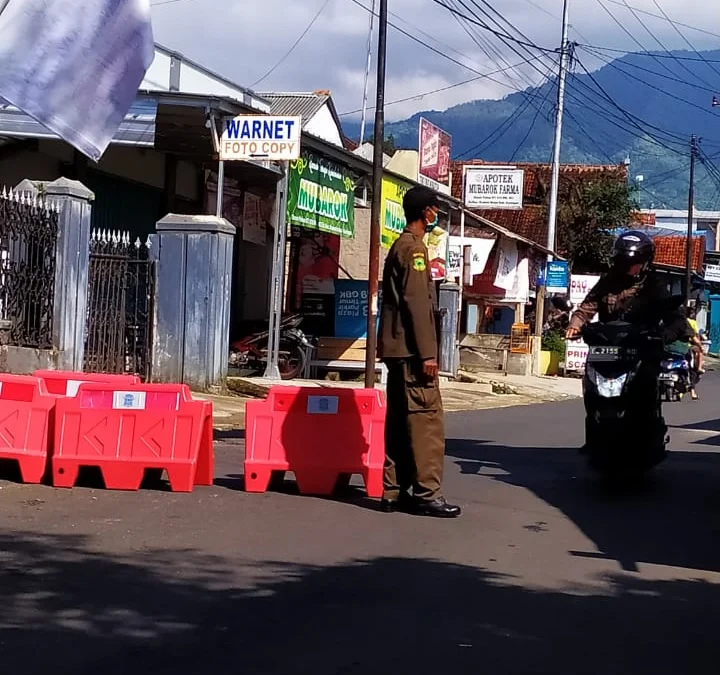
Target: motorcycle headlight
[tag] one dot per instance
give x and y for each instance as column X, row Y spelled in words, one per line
column 607, row 387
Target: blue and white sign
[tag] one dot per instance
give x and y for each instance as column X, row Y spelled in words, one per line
column 261, row 137
column 351, row 308
column 556, row 277
column 323, row 405
column 129, row 400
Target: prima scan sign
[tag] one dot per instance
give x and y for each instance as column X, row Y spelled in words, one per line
column 494, row 187
column 261, row 137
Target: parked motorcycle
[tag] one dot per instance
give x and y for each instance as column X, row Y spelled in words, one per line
column 674, row 377
column 622, row 364
column 251, row 352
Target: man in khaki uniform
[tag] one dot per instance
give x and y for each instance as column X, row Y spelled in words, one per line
column 407, row 343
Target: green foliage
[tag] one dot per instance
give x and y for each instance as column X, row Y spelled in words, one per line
column 586, row 220
column 554, row 341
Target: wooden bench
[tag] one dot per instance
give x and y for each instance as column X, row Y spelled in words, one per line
column 341, row 354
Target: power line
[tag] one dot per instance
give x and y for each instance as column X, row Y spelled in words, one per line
column 295, row 44
column 479, row 22
column 439, row 89
column 627, row 115
column 519, row 47
column 495, row 135
column 664, row 48
column 682, row 35
column 414, row 38
column 658, row 16
column 692, row 104
column 608, row 61
column 633, row 38
column 167, row 2
column 487, row 47
column 653, row 55
column 420, row 31
column 548, row 91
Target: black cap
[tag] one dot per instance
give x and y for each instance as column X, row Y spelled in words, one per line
column 416, row 200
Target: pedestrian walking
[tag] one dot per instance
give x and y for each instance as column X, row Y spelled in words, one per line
column 408, row 345
column 697, row 358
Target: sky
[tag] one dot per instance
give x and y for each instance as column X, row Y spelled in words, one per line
column 306, row 45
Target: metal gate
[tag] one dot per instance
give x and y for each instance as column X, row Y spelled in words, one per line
column 121, row 289
column 28, row 242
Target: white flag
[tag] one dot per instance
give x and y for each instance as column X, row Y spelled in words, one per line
column 507, row 264
column 75, row 65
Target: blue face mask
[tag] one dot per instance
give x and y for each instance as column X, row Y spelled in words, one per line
column 429, row 227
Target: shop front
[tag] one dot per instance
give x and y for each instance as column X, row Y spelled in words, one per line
column 247, row 204
column 320, row 213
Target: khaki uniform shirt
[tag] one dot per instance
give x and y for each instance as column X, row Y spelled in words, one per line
column 407, row 318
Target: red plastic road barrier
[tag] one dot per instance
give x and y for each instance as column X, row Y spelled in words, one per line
column 321, row 435
column 26, row 411
column 66, row 383
column 147, row 426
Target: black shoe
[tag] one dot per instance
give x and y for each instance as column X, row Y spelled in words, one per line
column 393, row 505
column 437, row 508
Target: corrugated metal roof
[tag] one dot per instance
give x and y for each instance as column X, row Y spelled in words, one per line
column 306, row 105
column 138, row 127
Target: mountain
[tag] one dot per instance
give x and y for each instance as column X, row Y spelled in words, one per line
column 642, row 106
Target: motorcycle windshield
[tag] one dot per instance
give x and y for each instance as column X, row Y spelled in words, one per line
column 613, row 334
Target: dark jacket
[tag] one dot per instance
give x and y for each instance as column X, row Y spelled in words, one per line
column 644, row 301
column 407, row 318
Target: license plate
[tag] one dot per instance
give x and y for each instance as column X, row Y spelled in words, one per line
column 604, row 351
column 667, row 376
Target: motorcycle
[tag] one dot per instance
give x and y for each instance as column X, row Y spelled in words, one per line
column 620, row 373
column 674, row 377
column 251, row 352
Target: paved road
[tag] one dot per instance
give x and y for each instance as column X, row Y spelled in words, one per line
column 546, row 572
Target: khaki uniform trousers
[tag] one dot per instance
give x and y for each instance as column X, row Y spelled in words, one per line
column 414, row 433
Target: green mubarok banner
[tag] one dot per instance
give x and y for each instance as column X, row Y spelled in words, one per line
column 321, row 196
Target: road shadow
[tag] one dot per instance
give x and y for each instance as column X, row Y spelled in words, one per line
column 669, row 517
column 68, row 608
column 227, row 435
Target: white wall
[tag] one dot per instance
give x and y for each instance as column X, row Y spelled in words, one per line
column 157, row 77
column 323, row 126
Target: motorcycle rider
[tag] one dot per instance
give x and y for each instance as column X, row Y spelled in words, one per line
column 632, row 291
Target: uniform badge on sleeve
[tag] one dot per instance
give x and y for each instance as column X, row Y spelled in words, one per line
column 419, row 264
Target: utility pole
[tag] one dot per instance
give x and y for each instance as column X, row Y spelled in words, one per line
column 374, row 256
column 367, row 74
column 694, row 151
column 552, row 212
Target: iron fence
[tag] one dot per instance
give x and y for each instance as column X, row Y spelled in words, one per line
column 121, row 286
column 28, row 242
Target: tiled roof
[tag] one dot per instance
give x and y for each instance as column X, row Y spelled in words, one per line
column 647, row 219
column 349, row 144
column 531, row 221
column 672, row 251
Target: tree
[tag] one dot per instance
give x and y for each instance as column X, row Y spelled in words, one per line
column 389, row 146
column 588, row 218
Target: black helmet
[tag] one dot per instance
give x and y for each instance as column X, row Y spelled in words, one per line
column 633, row 248
column 560, row 303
